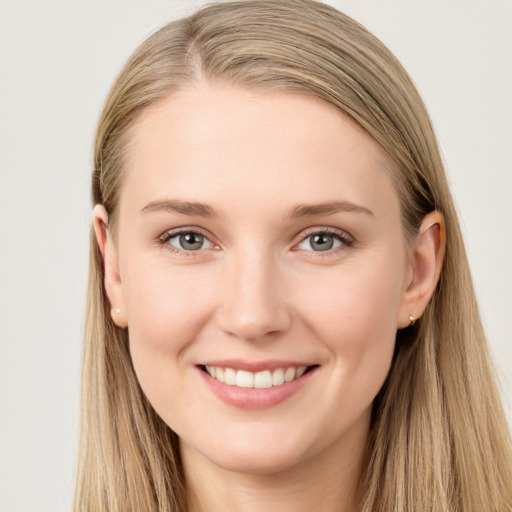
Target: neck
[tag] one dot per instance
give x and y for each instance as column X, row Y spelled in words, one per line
column 327, row 482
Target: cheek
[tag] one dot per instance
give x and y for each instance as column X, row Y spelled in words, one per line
column 164, row 303
column 353, row 311
column 354, row 301
column 167, row 307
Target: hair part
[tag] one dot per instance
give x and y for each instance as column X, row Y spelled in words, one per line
column 439, row 439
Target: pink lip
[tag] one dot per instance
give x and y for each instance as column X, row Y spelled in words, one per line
column 253, row 398
column 255, row 366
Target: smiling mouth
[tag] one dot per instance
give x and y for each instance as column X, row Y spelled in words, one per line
column 260, row 380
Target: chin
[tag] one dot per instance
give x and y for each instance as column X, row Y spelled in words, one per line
column 247, row 454
column 256, row 461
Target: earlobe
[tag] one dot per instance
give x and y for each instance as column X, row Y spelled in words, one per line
column 427, row 256
column 113, row 284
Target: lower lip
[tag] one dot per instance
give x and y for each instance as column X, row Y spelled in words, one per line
column 255, row 398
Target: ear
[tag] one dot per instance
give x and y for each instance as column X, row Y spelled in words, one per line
column 113, row 285
column 426, row 260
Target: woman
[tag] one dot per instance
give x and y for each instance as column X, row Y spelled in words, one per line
column 281, row 314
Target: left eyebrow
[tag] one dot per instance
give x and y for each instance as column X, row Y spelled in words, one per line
column 329, row 208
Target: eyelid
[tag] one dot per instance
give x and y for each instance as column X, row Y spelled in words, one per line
column 163, row 240
column 345, row 238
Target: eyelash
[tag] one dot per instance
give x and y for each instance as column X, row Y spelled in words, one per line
column 163, row 241
column 344, row 238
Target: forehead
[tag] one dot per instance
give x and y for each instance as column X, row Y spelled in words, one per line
column 229, row 145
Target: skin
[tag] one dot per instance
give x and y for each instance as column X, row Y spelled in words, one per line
column 257, row 289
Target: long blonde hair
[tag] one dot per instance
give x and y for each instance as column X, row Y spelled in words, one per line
column 439, row 439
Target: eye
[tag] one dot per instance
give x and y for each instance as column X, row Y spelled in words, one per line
column 323, row 241
column 189, row 241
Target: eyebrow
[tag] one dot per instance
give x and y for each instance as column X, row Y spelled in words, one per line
column 178, row 206
column 301, row 210
column 329, row 208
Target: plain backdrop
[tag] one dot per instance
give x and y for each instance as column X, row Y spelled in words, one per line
column 57, row 61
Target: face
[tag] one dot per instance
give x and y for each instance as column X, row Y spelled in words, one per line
column 261, row 270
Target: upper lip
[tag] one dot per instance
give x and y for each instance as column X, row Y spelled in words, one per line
column 255, row 366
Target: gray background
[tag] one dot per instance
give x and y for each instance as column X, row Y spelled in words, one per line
column 57, row 61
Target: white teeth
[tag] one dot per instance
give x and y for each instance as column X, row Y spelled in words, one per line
column 289, row 374
column 300, row 371
column 259, row 380
column 278, row 377
column 263, row 379
column 230, row 377
column 244, row 379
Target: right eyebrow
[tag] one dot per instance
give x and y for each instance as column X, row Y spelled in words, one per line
column 182, row 207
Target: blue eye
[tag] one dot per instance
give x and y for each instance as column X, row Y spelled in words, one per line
column 320, row 242
column 189, row 241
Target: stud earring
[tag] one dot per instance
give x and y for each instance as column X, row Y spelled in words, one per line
column 412, row 320
column 117, row 311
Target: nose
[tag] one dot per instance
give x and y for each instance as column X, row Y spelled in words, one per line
column 253, row 303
